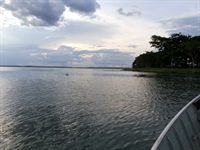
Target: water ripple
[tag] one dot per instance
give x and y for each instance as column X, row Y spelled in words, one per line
column 90, row 109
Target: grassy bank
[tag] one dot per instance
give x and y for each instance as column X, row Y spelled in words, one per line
column 167, row 70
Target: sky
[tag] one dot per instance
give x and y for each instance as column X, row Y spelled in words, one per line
column 89, row 33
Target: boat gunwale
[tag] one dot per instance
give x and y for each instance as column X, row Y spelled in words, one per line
column 169, row 125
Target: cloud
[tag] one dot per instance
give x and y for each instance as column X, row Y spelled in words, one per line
column 134, row 11
column 97, row 46
column 85, row 7
column 36, row 13
column 65, row 56
column 188, row 24
column 47, row 12
column 133, row 46
column 112, row 58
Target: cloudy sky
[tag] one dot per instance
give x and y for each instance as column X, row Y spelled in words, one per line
column 89, row 32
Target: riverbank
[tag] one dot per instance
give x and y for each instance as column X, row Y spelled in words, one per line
column 166, row 70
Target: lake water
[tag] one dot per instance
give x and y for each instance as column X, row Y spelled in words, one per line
column 91, row 109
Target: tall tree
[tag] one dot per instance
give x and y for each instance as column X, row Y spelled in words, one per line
column 192, row 48
column 178, row 50
column 144, row 60
column 170, row 48
column 158, row 42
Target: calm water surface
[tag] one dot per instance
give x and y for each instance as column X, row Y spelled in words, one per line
column 91, row 109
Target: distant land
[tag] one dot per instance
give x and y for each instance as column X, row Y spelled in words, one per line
column 166, row 70
column 62, row 67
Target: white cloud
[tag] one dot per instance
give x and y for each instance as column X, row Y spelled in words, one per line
column 66, row 56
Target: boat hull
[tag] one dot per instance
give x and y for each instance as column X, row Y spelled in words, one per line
column 183, row 131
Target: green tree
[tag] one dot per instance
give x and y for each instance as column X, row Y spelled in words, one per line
column 192, row 48
column 177, row 50
column 171, row 53
column 144, row 60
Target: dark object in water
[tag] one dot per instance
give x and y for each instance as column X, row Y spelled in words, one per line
column 67, row 74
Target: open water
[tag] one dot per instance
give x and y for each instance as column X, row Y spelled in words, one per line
column 91, row 109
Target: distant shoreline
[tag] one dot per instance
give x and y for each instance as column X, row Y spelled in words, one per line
column 34, row 66
column 29, row 66
column 166, row 70
column 154, row 70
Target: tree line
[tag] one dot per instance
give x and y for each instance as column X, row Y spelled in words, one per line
column 178, row 50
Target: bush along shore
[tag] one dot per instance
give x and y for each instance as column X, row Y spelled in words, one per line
column 166, row 70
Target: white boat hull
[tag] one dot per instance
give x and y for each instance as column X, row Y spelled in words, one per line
column 183, row 131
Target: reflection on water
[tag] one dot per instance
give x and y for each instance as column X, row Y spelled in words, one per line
column 42, row 108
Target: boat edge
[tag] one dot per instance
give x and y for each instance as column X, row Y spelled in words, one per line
column 163, row 133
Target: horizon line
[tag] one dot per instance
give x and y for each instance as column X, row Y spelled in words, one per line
column 59, row 66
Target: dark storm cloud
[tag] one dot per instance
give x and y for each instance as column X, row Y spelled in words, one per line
column 186, row 24
column 47, row 12
column 65, row 56
column 132, row 12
